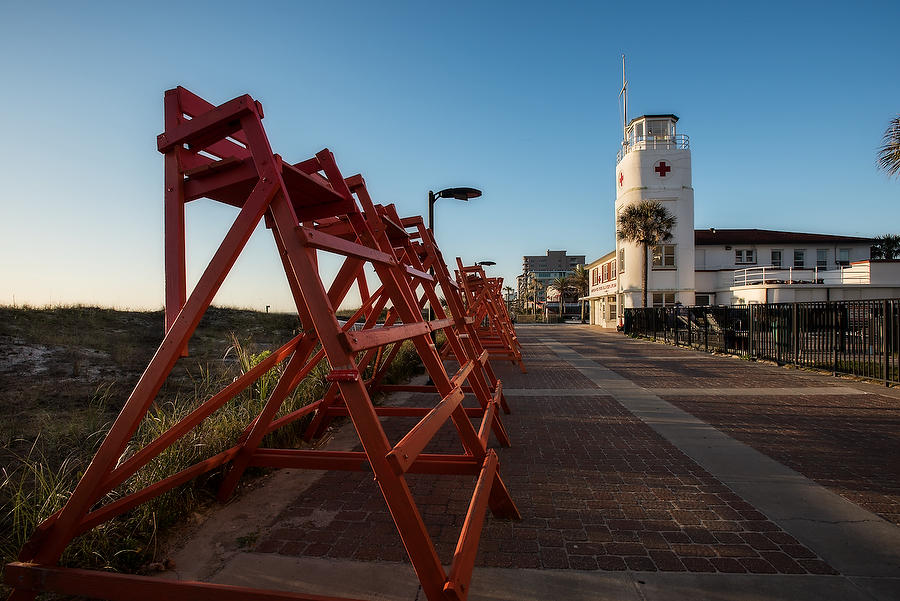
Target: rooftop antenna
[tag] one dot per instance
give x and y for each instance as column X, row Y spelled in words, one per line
column 624, row 95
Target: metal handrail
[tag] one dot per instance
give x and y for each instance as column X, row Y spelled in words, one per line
column 770, row 274
column 676, row 142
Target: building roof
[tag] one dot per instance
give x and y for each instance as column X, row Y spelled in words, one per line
column 714, row 235
column 669, row 116
column 610, row 255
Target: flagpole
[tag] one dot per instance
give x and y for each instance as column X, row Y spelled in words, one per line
column 624, row 95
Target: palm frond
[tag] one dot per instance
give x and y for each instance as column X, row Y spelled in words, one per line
column 645, row 222
column 889, row 151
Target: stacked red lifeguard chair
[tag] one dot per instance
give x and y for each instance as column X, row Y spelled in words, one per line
column 222, row 153
column 484, row 302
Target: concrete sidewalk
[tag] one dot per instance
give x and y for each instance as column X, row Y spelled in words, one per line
column 641, row 471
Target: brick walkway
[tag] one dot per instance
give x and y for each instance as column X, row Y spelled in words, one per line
column 848, row 442
column 600, row 490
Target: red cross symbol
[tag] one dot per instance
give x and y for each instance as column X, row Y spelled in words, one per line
column 621, row 179
column 662, row 168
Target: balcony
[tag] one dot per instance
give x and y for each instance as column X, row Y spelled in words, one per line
column 675, row 142
column 770, row 275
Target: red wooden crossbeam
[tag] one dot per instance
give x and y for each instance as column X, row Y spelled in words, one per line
column 222, row 153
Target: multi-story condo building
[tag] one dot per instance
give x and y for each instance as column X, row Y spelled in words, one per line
column 543, row 269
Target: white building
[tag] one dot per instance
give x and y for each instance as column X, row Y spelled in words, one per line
column 718, row 266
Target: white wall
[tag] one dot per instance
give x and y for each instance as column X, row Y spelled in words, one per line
column 717, row 257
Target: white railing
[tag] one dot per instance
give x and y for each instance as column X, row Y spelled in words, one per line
column 754, row 276
column 676, row 142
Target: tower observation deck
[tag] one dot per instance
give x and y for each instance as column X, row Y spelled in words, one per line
column 652, row 132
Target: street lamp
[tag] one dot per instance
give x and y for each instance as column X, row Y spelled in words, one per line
column 486, row 263
column 459, row 194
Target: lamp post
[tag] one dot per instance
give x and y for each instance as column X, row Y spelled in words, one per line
column 486, row 263
column 464, row 194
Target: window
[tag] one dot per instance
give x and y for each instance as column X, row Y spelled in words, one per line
column 821, row 257
column 612, row 269
column 702, row 300
column 611, row 306
column 621, row 260
column 663, row 299
column 843, row 256
column 659, row 128
column 745, row 256
column 776, row 258
column 595, row 276
column 664, row 256
column 799, row 258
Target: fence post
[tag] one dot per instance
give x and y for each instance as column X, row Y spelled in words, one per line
column 749, row 350
column 690, row 330
column 834, row 327
column 675, row 313
column 885, row 363
column 706, row 329
column 795, row 334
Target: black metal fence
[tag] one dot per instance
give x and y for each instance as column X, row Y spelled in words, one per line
column 861, row 338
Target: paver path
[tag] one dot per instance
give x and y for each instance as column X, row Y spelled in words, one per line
column 634, row 457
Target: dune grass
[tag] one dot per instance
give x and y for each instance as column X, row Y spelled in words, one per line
column 39, row 471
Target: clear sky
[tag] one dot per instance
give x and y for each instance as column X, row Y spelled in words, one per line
column 785, row 104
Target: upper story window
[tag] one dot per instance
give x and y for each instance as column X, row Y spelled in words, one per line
column 821, row 257
column 799, row 258
column 776, row 258
column 843, row 256
column 612, row 268
column 664, row 256
column 745, row 256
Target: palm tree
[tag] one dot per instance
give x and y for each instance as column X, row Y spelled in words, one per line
column 580, row 283
column 889, row 152
column 534, row 287
column 508, row 290
column 886, row 247
column 579, row 280
column 647, row 223
column 562, row 285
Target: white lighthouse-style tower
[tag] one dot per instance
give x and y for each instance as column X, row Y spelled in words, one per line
column 655, row 164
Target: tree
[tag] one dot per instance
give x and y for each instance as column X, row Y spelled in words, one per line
column 562, row 285
column 889, row 152
column 534, row 287
column 886, row 247
column 508, row 290
column 580, row 280
column 646, row 223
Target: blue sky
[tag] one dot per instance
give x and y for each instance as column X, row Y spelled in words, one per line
column 785, row 104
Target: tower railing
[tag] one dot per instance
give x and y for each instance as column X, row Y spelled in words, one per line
column 676, row 142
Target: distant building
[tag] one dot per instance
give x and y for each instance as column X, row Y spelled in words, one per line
column 544, row 269
column 718, row 266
